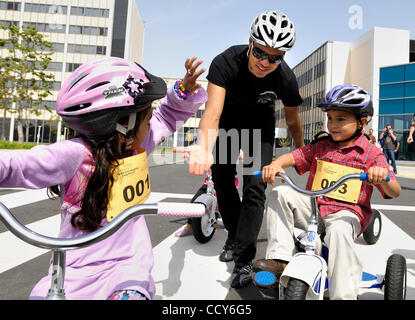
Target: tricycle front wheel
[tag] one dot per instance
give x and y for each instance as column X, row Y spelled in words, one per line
column 395, row 278
column 296, row 289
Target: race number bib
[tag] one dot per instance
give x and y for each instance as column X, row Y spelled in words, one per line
column 131, row 184
column 328, row 173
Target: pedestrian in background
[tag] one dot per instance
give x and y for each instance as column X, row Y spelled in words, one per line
column 388, row 139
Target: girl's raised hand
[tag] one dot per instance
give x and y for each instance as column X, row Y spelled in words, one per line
column 189, row 80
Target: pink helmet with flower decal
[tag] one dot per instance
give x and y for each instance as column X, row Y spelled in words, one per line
column 100, row 92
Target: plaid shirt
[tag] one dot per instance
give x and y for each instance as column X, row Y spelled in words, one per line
column 361, row 155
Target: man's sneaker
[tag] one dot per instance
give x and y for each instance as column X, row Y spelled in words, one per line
column 242, row 275
column 273, row 265
column 227, row 253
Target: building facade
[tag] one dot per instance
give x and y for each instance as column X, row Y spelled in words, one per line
column 358, row 62
column 397, row 104
column 187, row 134
column 80, row 31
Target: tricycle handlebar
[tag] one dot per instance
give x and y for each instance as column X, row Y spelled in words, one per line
column 359, row 176
column 162, row 209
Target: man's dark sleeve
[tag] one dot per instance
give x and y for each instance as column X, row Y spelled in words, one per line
column 218, row 73
column 290, row 96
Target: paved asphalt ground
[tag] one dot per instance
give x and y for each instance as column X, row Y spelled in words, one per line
column 17, row 281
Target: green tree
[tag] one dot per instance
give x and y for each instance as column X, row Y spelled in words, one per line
column 6, row 89
column 29, row 56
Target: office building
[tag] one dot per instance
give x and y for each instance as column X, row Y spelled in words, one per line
column 397, row 104
column 80, row 31
column 361, row 63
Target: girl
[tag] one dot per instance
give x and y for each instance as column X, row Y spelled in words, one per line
column 108, row 102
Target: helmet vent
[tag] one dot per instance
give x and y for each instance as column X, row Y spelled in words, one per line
column 354, row 101
column 77, row 107
column 76, row 82
column 121, row 63
column 98, row 85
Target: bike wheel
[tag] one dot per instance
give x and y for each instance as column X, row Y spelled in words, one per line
column 203, row 229
column 372, row 232
column 296, row 289
column 395, row 278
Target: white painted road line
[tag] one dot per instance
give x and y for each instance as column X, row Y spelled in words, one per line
column 186, row 269
column 22, row 198
column 374, row 257
column 393, row 207
column 14, row 251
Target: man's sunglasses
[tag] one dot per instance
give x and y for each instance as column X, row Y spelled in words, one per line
column 261, row 55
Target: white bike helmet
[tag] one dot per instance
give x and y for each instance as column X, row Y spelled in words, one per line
column 273, row 29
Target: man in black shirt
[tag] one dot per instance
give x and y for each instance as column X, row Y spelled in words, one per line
column 244, row 82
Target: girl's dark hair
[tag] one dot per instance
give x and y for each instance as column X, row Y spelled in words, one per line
column 105, row 151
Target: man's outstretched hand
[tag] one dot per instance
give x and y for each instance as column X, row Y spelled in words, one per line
column 198, row 158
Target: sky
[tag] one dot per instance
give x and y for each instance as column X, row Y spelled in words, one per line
column 175, row 30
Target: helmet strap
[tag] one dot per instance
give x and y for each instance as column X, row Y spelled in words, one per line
column 127, row 132
column 357, row 133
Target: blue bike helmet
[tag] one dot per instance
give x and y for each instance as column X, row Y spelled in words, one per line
column 349, row 98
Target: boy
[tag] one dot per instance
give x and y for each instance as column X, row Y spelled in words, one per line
column 345, row 150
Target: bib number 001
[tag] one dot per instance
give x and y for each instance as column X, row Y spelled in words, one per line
column 131, row 185
column 130, row 192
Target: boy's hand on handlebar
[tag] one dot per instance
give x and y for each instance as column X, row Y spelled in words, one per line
column 270, row 171
column 377, row 175
column 199, row 159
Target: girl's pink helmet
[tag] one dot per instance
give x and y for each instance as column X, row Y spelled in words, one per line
column 99, row 93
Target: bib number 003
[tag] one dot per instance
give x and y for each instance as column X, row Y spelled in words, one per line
column 328, row 173
column 326, row 184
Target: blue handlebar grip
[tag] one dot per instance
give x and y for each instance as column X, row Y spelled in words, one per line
column 363, row 177
column 257, row 174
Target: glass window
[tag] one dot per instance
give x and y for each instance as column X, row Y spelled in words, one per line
column 75, row 29
column 92, row 12
column 43, row 27
column 101, row 50
column 77, row 11
column 86, row 49
column 409, row 106
column 391, row 106
column 9, row 23
column 392, row 74
column 397, row 122
column 70, row 67
column 410, row 72
column 45, row 8
column 410, row 89
column 56, row 47
column 13, row 5
column 391, row 91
